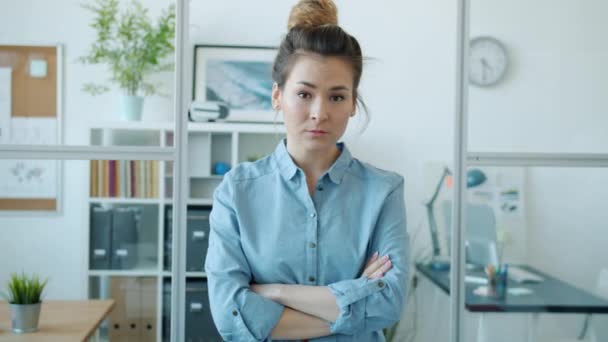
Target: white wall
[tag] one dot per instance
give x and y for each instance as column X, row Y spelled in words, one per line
column 550, row 102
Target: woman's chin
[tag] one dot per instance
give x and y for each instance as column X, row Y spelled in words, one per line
column 318, row 144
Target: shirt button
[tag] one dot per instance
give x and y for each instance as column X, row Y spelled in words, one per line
column 313, row 215
column 312, row 245
column 235, row 313
column 311, row 279
column 380, row 284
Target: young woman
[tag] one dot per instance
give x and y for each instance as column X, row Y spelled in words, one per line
column 309, row 243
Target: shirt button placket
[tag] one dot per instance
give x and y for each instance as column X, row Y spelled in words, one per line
column 312, row 250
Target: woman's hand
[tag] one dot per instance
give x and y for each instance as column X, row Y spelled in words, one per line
column 377, row 267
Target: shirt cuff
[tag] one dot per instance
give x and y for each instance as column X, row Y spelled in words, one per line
column 349, row 294
column 255, row 318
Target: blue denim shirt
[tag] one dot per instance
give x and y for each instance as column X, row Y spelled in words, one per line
column 266, row 228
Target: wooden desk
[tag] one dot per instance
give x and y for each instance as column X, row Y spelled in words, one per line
column 60, row 321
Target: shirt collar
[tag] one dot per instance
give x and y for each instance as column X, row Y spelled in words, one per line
column 289, row 169
column 286, row 165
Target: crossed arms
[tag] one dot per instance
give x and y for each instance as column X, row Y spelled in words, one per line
column 309, row 310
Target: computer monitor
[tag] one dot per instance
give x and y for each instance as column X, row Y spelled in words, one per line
column 480, row 233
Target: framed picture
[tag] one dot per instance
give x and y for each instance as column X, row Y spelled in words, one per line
column 239, row 77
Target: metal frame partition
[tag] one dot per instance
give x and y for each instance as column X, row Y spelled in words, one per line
column 460, row 144
column 180, row 184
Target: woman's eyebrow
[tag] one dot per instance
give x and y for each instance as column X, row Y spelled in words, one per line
column 311, row 85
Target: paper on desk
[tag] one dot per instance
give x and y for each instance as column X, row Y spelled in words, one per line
column 514, row 291
column 518, row 291
column 476, row 280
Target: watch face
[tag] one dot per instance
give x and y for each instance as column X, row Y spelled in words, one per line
column 487, row 60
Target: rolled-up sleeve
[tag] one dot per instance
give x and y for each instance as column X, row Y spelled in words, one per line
column 370, row 305
column 238, row 313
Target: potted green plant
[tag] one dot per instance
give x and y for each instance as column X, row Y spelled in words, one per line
column 25, row 298
column 133, row 47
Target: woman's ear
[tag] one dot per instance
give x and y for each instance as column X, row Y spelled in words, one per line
column 276, row 97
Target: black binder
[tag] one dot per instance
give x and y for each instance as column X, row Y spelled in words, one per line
column 124, row 238
column 166, row 324
column 168, row 238
column 100, row 239
column 198, row 239
column 199, row 323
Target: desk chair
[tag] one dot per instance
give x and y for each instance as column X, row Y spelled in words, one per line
column 480, row 233
column 595, row 328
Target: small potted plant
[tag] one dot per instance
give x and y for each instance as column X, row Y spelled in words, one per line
column 25, row 298
column 133, row 47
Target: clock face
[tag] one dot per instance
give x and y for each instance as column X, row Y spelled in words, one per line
column 487, row 61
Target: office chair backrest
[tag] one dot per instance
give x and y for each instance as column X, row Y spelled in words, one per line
column 602, row 283
column 480, row 233
column 599, row 323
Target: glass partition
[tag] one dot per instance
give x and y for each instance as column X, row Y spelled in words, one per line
column 549, row 97
column 111, row 65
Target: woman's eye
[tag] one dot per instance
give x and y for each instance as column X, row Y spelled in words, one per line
column 304, row 95
column 337, row 98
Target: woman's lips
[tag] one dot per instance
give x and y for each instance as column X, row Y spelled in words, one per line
column 317, row 132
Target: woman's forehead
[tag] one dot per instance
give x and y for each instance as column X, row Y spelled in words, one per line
column 321, row 70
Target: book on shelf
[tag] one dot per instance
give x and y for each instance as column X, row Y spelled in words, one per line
column 124, row 178
column 112, row 175
column 94, row 178
column 104, row 179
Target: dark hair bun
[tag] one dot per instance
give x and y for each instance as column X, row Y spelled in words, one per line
column 313, row 13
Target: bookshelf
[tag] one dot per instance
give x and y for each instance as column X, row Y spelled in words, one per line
column 145, row 187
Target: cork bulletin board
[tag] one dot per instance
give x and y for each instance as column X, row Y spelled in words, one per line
column 30, row 114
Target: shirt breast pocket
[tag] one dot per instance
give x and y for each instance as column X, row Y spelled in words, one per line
column 345, row 238
column 276, row 253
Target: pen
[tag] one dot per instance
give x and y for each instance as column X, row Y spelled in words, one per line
column 490, row 271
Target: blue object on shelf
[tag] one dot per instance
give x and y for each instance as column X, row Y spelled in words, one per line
column 475, row 177
column 221, row 168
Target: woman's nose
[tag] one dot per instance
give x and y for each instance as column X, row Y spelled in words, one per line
column 318, row 110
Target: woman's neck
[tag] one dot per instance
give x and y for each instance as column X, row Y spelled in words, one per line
column 313, row 163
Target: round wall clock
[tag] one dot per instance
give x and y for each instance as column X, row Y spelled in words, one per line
column 488, row 61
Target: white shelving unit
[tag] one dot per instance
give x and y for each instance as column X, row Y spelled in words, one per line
column 209, row 143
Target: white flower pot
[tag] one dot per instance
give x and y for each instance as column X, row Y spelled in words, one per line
column 131, row 107
column 24, row 317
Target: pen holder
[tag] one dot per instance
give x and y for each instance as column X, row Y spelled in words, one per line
column 497, row 282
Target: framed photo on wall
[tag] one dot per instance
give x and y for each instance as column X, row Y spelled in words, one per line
column 238, row 77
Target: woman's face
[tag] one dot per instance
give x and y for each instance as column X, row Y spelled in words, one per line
column 316, row 101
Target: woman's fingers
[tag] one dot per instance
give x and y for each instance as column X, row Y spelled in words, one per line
column 382, row 270
column 375, row 266
column 368, row 271
column 372, row 259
